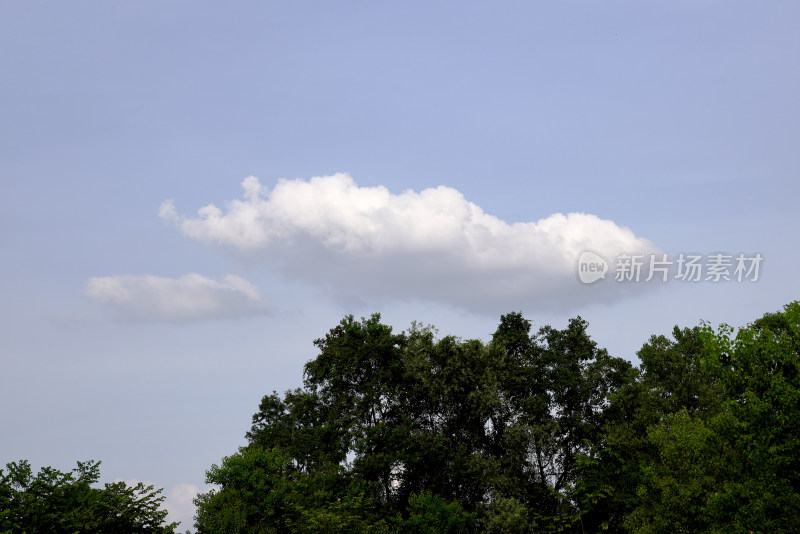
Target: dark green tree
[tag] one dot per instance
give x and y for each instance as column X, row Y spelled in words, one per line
column 556, row 391
column 407, row 432
column 539, row 432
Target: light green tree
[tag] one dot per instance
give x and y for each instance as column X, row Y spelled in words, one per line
column 736, row 470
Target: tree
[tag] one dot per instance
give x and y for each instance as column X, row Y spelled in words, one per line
column 406, row 432
column 56, row 502
column 736, row 469
column 671, row 379
column 540, row 432
column 556, row 392
column 674, row 376
column 264, row 491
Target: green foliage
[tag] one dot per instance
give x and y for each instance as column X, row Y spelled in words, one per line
column 736, row 469
column 675, row 377
column 530, row 432
column 255, row 498
column 506, row 516
column 56, row 502
column 414, row 433
column 431, row 514
column 264, row 492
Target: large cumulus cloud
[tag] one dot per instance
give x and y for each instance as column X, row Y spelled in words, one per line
column 368, row 243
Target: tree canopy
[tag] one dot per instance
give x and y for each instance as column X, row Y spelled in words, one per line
column 532, row 431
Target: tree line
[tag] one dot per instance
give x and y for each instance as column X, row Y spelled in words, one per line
column 533, row 431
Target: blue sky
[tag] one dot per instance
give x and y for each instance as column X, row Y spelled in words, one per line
column 412, row 159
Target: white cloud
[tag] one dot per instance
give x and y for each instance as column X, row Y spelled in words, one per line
column 190, row 297
column 366, row 243
column 180, row 504
column 167, row 211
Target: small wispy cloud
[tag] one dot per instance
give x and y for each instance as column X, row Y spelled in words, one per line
column 188, row 298
column 367, row 243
